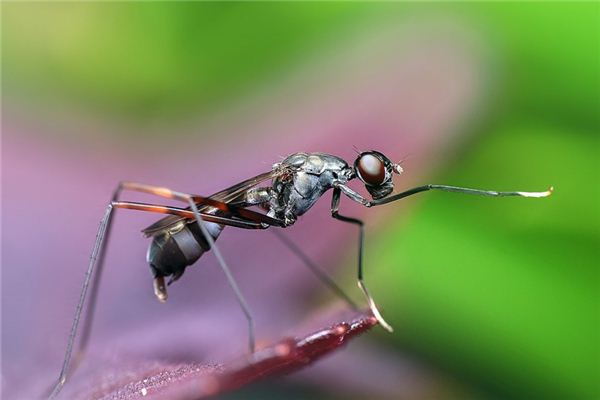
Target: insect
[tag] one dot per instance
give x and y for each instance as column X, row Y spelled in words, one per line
column 296, row 183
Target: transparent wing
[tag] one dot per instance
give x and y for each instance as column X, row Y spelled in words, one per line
column 231, row 193
column 225, row 196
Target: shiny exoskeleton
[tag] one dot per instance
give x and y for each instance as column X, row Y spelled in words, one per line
column 172, row 250
column 297, row 182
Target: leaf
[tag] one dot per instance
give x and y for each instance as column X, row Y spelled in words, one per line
column 192, row 381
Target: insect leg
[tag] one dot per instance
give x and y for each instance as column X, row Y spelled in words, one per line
column 191, row 200
column 230, row 278
column 91, row 307
column 159, row 287
column 96, row 255
column 187, row 213
column 335, row 203
column 96, row 264
column 201, row 201
column 319, row 272
column 457, row 189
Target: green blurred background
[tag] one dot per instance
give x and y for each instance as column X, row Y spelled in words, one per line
column 523, row 325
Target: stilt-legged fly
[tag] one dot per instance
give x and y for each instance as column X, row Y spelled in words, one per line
column 297, row 182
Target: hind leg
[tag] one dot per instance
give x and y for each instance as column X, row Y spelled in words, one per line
column 96, row 266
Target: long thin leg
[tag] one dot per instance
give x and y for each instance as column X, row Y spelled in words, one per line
column 91, row 308
column 97, row 249
column 200, row 201
column 319, row 272
column 86, row 326
column 335, row 203
column 191, row 200
column 457, row 189
column 186, row 213
column 230, row 278
column 96, row 264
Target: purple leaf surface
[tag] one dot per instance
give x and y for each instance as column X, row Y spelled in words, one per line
column 193, row 381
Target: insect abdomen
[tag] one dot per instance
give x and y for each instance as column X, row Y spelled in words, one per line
column 170, row 253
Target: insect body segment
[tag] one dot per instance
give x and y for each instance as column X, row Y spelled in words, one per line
column 295, row 185
column 298, row 182
column 171, row 251
column 308, row 177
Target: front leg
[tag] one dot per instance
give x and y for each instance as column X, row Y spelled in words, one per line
column 456, row 189
column 335, row 203
column 353, row 195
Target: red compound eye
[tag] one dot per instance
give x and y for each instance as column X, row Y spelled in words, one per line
column 371, row 169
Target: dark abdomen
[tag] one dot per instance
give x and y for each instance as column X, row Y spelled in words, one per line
column 170, row 253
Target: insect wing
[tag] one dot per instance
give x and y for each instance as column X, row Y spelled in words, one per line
column 161, row 225
column 225, row 196
column 231, row 193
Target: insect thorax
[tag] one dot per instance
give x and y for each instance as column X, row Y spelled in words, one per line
column 304, row 179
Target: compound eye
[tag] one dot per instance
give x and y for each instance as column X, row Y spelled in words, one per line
column 371, row 169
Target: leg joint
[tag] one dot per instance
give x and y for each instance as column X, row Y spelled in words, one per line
column 337, row 216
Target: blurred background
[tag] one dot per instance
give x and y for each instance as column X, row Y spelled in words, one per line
column 490, row 298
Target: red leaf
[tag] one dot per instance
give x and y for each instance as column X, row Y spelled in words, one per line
column 195, row 381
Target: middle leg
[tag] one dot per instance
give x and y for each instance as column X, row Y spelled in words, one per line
column 335, row 203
